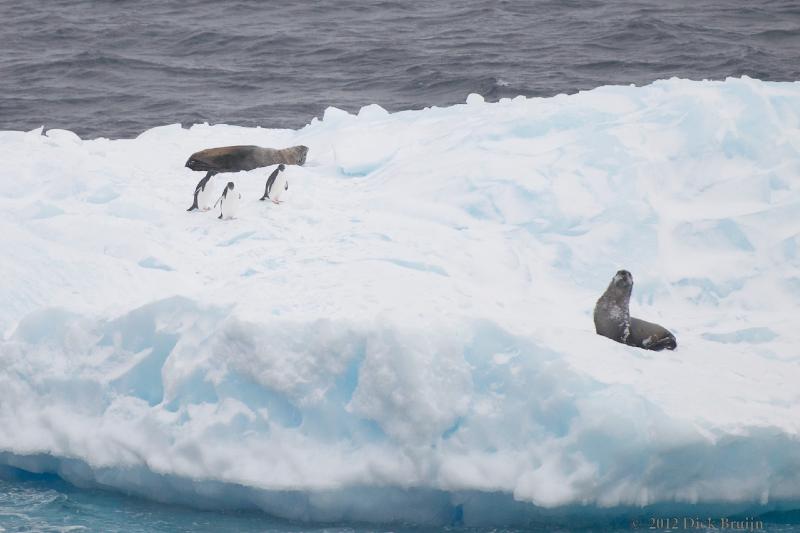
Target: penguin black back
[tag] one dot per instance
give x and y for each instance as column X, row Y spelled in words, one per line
column 228, row 187
column 271, row 180
column 201, row 185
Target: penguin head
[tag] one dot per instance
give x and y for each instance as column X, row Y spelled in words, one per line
column 230, row 186
column 281, row 167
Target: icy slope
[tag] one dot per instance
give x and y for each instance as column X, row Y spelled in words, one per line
column 409, row 336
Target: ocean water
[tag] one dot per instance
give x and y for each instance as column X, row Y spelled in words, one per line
column 46, row 504
column 115, row 69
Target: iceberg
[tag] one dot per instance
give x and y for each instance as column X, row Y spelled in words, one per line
column 409, row 336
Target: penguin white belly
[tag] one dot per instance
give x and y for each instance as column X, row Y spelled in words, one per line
column 278, row 188
column 230, row 204
column 205, row 197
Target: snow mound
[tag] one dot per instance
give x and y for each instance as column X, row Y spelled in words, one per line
column 409, row 336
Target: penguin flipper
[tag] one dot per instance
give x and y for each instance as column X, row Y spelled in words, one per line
column 201, row 185
column 287, row 186
column 270, row 181
column 194, row 204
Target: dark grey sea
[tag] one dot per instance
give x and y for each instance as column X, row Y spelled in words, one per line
column 116, row 68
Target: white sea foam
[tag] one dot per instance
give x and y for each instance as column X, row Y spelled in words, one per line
column 409, row 336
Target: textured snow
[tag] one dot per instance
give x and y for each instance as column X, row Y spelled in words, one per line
column 409, row 336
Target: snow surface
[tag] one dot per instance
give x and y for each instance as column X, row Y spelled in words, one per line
column 409, row 336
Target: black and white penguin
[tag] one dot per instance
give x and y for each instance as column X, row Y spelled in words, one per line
column 228, row 202
column 275, row 186
column 202, row 193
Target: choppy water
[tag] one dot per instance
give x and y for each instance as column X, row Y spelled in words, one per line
column 117, row 68
column 45, row 503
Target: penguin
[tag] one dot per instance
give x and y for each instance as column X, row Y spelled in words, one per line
column 275, row 189
column 228, row 202
column 202, row 193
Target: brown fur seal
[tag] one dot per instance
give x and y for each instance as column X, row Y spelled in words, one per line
column 238, row 158
column 612, row 318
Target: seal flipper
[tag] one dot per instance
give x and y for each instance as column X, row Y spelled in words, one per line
column 650, row 336
column 668, row 343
